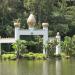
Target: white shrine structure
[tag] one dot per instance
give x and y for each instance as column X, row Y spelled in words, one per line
column 31, row 31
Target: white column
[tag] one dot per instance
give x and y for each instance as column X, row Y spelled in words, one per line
column 17, row 33
column 45, row 37
column 17, row 29
column 58, row 47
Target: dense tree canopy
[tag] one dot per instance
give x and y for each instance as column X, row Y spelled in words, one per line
column 60, row 15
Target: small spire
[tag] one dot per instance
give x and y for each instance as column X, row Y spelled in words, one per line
column 17, row 23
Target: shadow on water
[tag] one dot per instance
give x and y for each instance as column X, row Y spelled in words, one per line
column 38, row 67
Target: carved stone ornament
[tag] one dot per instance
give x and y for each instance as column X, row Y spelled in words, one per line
column 31, row 21
column 17, row 23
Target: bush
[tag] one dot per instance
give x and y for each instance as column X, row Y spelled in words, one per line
column 40, row 56
column 20, row 47
column 51, row 47
column 31, row 55
column 68, row 46
column 9, row 56
column 36, row 45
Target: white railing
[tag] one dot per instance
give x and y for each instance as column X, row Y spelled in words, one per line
column 7, row 40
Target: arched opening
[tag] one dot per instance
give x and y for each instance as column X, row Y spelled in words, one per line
column 34, row 43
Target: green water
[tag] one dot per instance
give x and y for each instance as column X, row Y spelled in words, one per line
column 38, row 67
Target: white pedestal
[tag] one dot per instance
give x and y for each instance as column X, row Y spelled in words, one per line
column 17, row 33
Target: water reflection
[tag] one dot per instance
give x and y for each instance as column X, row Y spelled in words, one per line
column 29, row 67
column 0, row 67
column 45, row 68
column 38, row 67
column 8, row 68
column 58, row 67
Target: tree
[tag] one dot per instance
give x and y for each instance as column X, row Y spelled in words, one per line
column 70, row 17
column 58, row 13
column 68, row 45
column 51, row 11
column 9, row 10
column 20, row 47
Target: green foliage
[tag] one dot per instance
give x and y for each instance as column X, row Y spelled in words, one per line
column 68, row 45
column 69, row 16
column 31, row 46
column 58, row 14
column 51, row 47
column 9, row 10
column 31, row 55
column 31, row 43
column 39, row 45
column 36, row 45
column 9, row 56
column 40, row 56
column 67, row 48
column 20, row 46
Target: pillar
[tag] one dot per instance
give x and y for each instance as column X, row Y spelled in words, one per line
column 16, row 33
column 17, row 27
column 58, row 47
column 45, row 37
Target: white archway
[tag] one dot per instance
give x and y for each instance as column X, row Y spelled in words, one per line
column 31, row 31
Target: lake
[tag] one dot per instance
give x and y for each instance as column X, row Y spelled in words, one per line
column 38, row 67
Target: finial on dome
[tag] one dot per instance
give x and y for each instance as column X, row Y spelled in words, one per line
column 31, row 21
